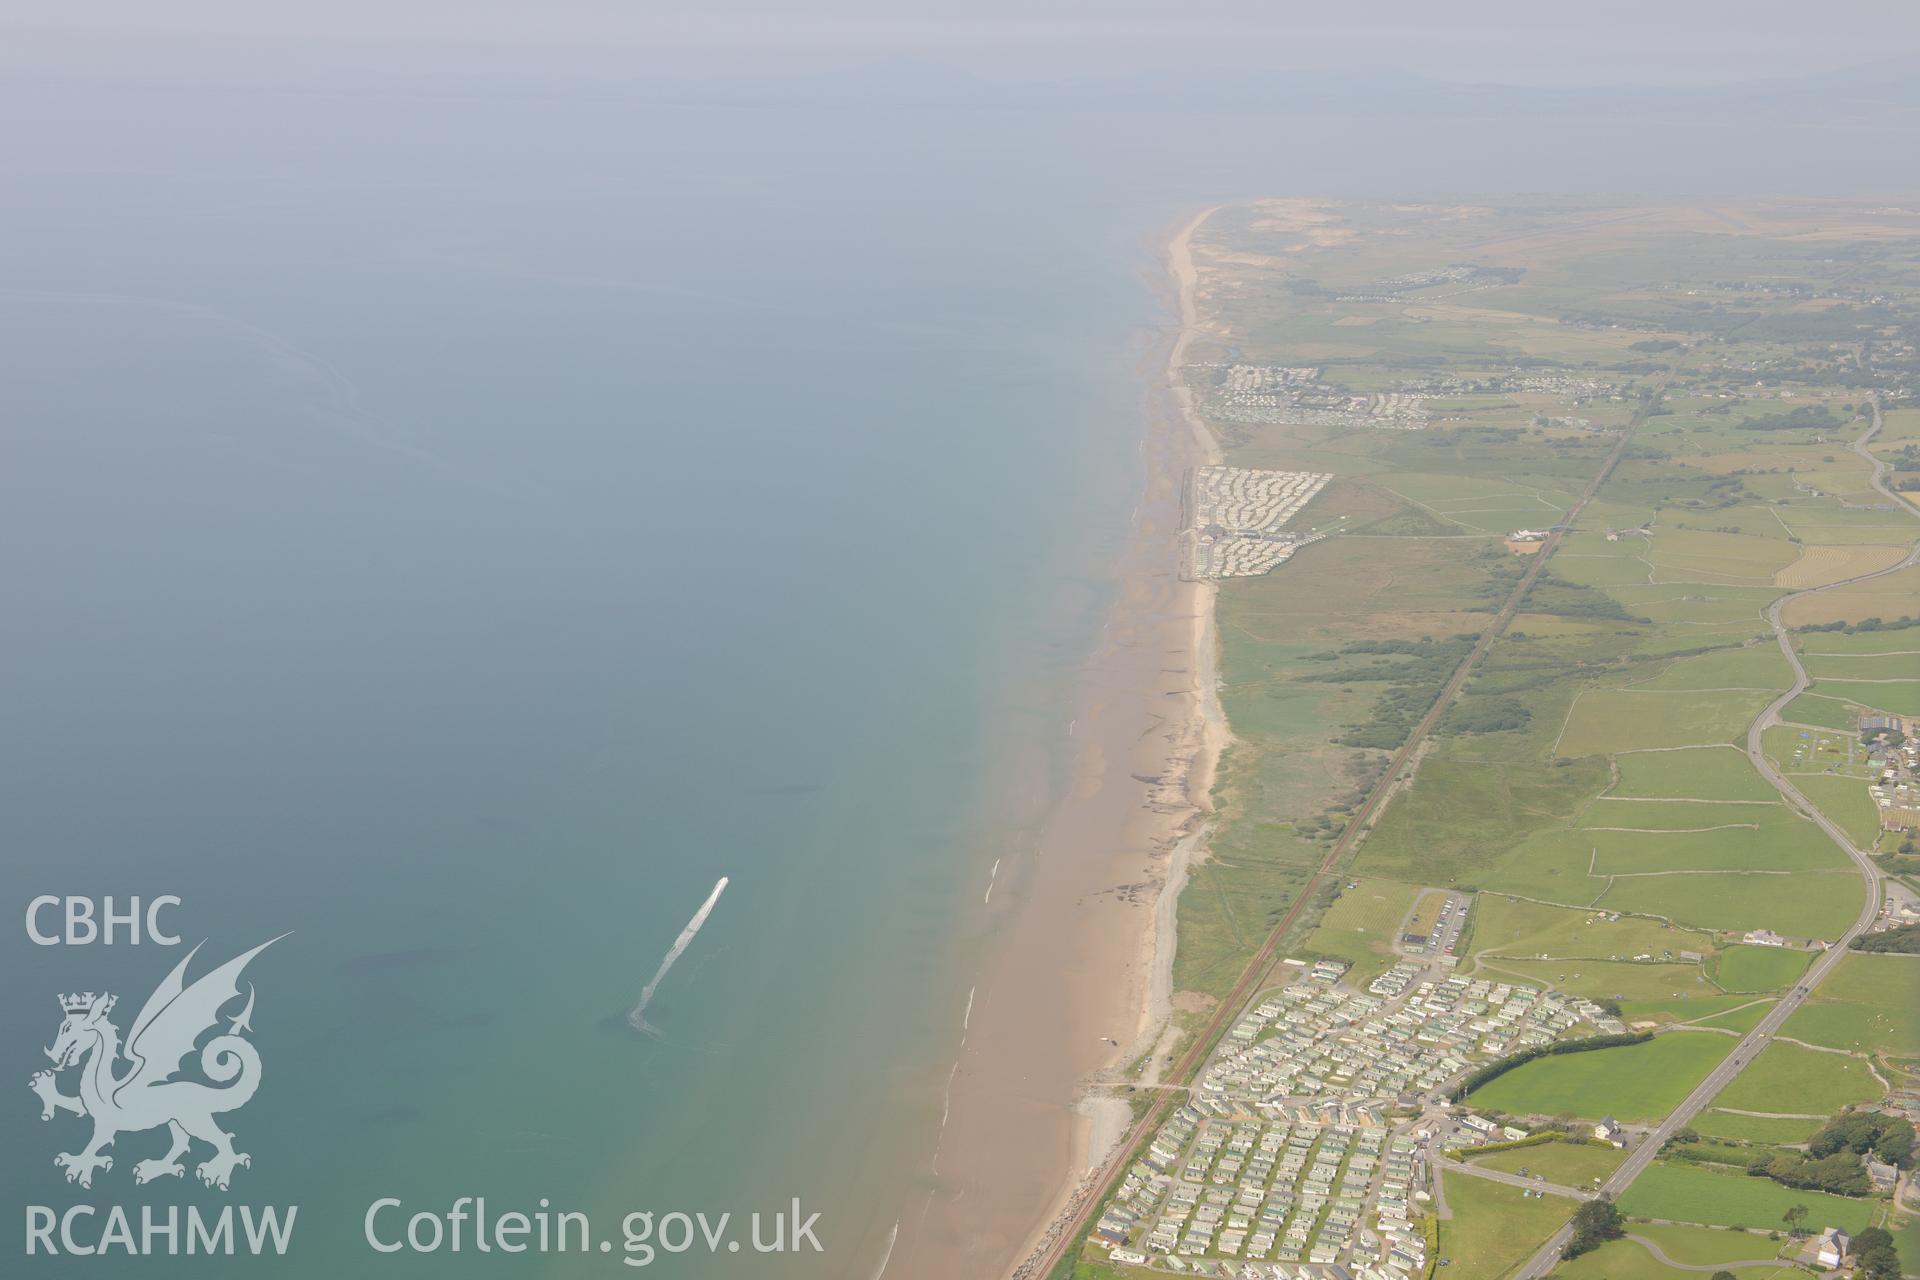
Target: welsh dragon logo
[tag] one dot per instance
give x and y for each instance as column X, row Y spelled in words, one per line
column 146, row 1094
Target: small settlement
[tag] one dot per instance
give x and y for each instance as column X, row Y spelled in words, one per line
column 1893, row 753
column 1278, row 393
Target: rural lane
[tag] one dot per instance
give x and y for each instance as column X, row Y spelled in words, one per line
column 1754, row 1041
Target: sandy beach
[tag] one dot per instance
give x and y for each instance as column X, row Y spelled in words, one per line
column 1077, row 979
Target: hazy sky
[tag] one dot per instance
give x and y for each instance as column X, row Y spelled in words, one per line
column 1515, row 41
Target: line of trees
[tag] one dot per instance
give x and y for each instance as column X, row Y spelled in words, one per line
column 1500, row 1066
column 1865, row 624
column 1903, row 940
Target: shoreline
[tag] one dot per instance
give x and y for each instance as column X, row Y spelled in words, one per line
column 1077, row 980
column 1108, row 1119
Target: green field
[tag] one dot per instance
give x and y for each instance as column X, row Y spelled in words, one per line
column 1866, row 1004
column 1604, row 979
column 1817, row 709
column 1629, row 1260
column 1906, row 1239
column 1814, row 1080
column 1460, row 816
column 1494, row 1227
column 1362, row 923
column 1608, row 720
column 1758, row 666
column 1861, row 646
column 1632, row 1083
column 1690, row 1193
column 1780, row 841
column 1678, row 815
column 1902, row 697
column 1716, row 1123
column 1759, row 969
column 1742, row 1020
column 1565, row 1164
column 1820, row 904
column 1846, row 801
column 1518, row 928
column 1709, row 773
column 1706, row 1009
column 1704, row 1246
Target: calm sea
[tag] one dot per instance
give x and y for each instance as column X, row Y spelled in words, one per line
column 457, row 532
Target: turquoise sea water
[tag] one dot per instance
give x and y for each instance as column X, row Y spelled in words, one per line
column 459, row 544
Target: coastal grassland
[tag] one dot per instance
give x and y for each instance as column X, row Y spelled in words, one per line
column 1816, row 1081
column 1857, row 646
column 1479, row 504
column 1606, row 720
column 1569, row 1164
column 1460, row 815
column 1706, row 1246
column 1707, row 773
column 1686, row 617
column 1704, row 1010
column 1818, row 566
column 1845, row 800
column 1362, row 924
column 1634, row 1083
column 1494, row 1227
column 1770, row 1130
column 1897, row 595
column 1629, row 1260
column 1820, row 711
column 1516, row 927
column 1867, row 1004
column 1744, row 968
column 1753, row 666
column 1818, row 904
column 1899, row 426
column 1692, row 1193
column 1742, row 1019
column 1900, row 696
column 1575, row 865
column 1092, row 1268
column 1781, row 841
column 1318, row 689
column 1627, row 813
column 1729, row 559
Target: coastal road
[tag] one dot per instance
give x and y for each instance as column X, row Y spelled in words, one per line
column 1754, row 1041
column 1064, row 1234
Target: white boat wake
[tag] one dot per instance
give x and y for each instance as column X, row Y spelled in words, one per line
column 636, row 1017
